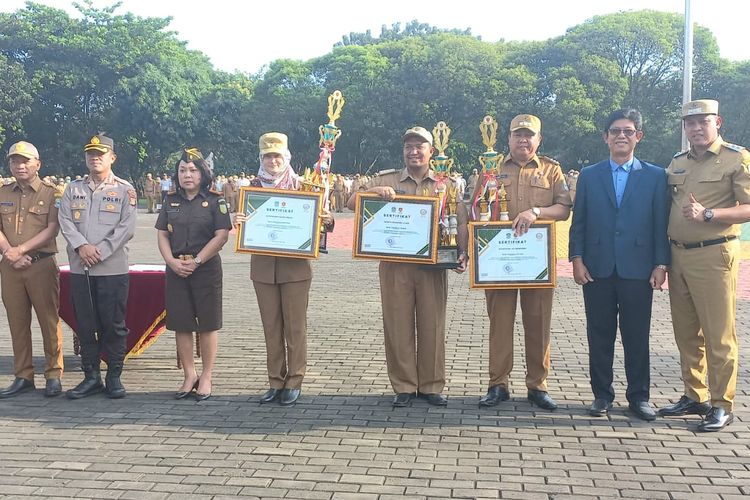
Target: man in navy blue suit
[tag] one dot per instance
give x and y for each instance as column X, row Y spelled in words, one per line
column 620, row 252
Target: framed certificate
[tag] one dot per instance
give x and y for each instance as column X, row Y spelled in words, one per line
column 402, row 230
column 497, row 259
column 280, row 223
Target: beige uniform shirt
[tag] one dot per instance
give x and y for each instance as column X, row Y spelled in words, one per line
column 404, row 184
column 103, row 216
column 26, row 212
column 539, row 183
column 718, row 179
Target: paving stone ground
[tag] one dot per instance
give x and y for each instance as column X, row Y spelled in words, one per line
column 343, row 440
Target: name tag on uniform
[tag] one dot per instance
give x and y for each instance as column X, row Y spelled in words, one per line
column 6, row 203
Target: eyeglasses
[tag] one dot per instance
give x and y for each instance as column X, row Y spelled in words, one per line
column 627, row 132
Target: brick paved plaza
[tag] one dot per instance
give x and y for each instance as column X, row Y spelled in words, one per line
column 343, row 440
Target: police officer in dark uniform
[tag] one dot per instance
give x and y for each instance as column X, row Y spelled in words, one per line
column 97, row 218
column 193, row 226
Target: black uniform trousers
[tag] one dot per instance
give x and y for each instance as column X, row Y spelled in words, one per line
column 608, row 300
column 100, row 303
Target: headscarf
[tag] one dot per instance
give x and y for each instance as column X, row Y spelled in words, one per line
column 286, row 179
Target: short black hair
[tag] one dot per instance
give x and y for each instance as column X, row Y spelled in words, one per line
column 194, row 156
column 625, row 114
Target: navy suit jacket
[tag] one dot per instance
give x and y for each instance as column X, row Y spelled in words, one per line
column 631, row 239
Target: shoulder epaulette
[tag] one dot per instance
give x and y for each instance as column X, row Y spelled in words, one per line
column 389, row 171
column 733, row 147
column 681, row 153
column 551, row 160
column 122, row 181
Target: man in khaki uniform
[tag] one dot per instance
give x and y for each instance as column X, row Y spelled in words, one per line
column 414, row 295
column 536, row 189
column 339, row 189
column 710, row 187
column 230, row 192
column 152, row 191
column 28, row 271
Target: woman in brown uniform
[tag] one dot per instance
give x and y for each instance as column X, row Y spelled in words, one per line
column 282, row 285
column 193, row 225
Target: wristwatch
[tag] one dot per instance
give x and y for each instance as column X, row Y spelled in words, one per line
column 708, row 215
column 662, row 267
column 537, row 211
column 198, row 261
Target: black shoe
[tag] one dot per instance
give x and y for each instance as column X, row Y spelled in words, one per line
column 685, row 406
column 495, row 395
column 402, row 399
column 53, row 388
column 434, row 399
column 541, row 399
column 289, row 396
column 270, row 396
column 19, row 386
column 643, row 410
column 600, row 407
column 184, row 394
column 202, row 397
column 90, row 385
column 716, row 420
column 114, row 387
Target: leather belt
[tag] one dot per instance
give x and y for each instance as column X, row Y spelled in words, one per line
column 41, row 255
column 701, row 244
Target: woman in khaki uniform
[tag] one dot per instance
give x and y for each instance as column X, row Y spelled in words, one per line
column 193, row 225
column 282, row 285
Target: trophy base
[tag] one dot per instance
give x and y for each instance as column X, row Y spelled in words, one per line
column 447, row 258
column 323, row 247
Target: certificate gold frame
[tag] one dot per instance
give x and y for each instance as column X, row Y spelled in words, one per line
column 363, row 207
column 480, row 236
column 252, row 198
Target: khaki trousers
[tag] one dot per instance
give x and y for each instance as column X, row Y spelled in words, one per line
column 283, row 312
column 37, row 286
column 702, row 293
column 536, row 309
column 414, row 299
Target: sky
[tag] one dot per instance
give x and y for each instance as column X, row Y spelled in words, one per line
column 246, row 35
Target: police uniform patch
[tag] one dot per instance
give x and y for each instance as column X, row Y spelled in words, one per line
column 112, row 193
column 58, row 197
column 110, row 207
column 222, row 205
column 132, row 196
column 169, row 228
column 76, row 215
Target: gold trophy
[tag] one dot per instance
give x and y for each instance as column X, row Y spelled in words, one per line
column 491, row 197
column 320, row 177
column 447, row 192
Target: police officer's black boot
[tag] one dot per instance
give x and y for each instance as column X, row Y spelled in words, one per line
column 91, row 384
column 115, row 389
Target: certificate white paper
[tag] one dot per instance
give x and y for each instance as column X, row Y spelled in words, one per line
column 396, row 228
column 502, row 257
column 279, row 223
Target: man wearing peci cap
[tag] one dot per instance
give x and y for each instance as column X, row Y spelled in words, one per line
column 97, row 219
column 536, row 190
column 414, row 295
column 710, row 188
column 28, row 271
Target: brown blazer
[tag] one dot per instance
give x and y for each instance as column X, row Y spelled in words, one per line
column 275, row 270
